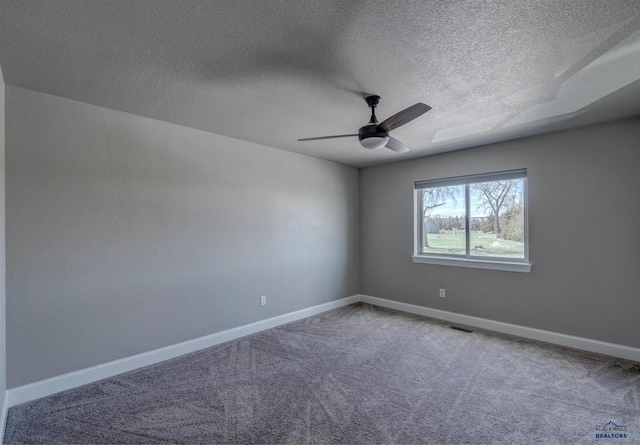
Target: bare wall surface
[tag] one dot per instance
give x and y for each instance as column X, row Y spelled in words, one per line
column 583, row 225
column 3, row 353
column 127, row 234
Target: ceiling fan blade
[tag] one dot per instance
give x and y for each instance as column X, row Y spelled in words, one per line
column 396, row 145
column 328, row 137
column 404, row 116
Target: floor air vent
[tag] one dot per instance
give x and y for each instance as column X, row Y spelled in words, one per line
column 458, row 328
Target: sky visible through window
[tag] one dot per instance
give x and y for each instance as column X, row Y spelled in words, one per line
column 451, row 207
column 496, row 219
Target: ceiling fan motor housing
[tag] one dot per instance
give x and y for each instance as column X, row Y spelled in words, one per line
column 375, row 135
column 372, row 138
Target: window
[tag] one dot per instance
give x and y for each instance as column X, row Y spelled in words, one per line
column 475, row 221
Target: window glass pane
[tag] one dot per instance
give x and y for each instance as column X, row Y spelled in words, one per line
column 497, row 219
column 443, row 220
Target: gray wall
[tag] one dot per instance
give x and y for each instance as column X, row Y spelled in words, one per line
column 584, row 235
column 3, row 353
column 126, row 234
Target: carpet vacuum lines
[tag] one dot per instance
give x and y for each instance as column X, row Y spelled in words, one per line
column 360, row 374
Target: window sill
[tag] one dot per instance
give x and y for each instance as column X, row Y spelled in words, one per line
column 474, row 263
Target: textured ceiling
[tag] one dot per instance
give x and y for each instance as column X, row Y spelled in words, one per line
column 275, row 71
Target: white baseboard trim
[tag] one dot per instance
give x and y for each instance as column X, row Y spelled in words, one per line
column 43, row 388
column 570, row 341
column 3, row 413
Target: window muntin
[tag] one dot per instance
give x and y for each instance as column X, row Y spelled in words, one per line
column 480, row 217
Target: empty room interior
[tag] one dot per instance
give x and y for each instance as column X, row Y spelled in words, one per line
column 320, row 221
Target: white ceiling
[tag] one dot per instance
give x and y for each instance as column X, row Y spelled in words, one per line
column 275, row 71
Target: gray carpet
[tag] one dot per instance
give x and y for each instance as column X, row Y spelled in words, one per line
column 357, row 375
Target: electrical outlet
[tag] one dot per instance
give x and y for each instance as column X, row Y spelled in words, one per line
column 441, row 293
column 263, row 300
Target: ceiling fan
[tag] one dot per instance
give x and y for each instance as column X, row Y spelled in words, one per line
column 375, row 134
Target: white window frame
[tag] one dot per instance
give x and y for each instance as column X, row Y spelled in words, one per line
column 468, row 260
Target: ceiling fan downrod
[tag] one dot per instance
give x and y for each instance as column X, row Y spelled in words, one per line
column 375, row 135
column 370, row 136
column 373, row 102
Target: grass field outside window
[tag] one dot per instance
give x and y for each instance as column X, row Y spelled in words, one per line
column 481, row 216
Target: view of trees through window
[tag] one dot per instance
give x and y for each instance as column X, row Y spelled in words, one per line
column 496, row 219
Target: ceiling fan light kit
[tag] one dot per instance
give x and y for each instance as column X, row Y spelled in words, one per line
column 373, row 142
column 371, row 138
column 375, row 135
